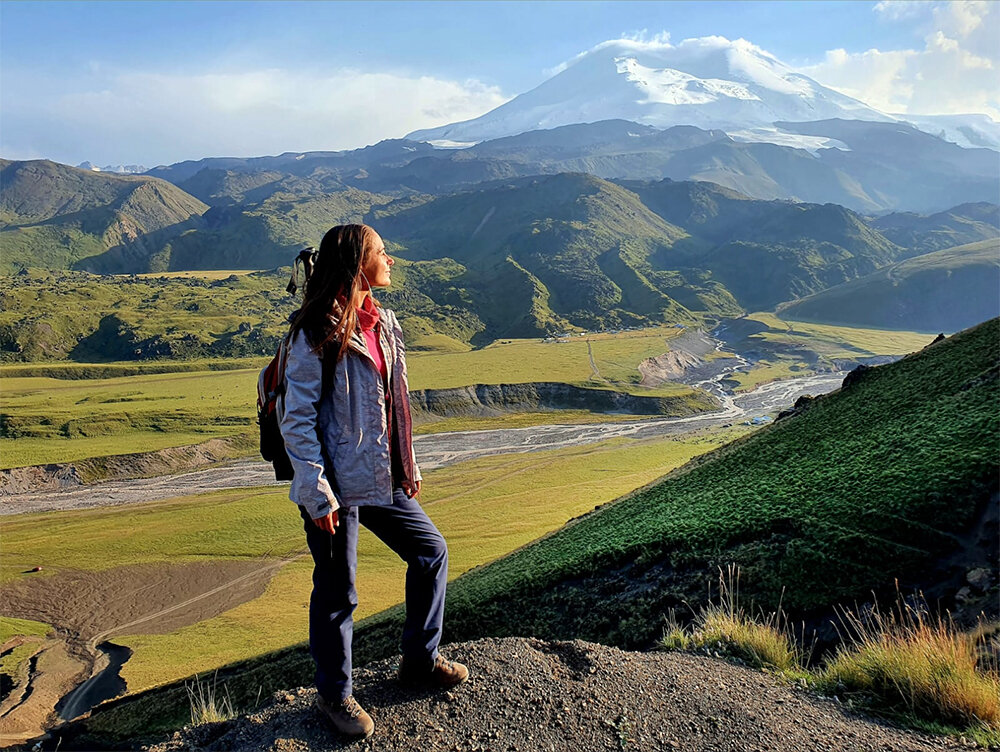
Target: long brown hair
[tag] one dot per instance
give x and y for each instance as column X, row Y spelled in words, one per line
column 336, row 273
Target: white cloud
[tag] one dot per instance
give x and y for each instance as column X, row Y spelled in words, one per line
column 963, row 16
column 954, row 72
column 154, row 118
column 897, row 10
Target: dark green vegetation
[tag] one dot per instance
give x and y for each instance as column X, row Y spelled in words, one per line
column 879, row 481
column 945, row 291
column 518, row 257
column 58, row 315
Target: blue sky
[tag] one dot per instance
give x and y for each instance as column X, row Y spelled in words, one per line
column 156, row 82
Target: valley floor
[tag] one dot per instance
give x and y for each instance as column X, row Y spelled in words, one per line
column 434, row 450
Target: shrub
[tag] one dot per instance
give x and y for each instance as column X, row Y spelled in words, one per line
column 762, row 641
column 911, row 662
column 207, row 706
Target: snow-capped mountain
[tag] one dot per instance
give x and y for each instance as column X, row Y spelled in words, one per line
column 970, row 131
column 710, row 82
column 130, row 169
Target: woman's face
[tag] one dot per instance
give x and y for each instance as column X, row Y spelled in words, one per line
column 378, row 264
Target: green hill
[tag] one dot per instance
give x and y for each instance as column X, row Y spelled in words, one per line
column 61, row 315
column 608, row 253
column 56, row 216
column 944, row 291
column 763, row 250
column 887, row 479
column 959, row 225
column 514, row 257
column 543, row 254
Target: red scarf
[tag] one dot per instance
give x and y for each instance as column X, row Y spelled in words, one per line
column 369, row 321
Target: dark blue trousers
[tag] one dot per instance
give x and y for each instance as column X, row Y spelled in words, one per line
column 405, row 528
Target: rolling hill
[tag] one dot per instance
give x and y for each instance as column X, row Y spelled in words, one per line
column 54, row 216
column 511, row 257
column 893, row 477
column 967, row 223
column 944, row 291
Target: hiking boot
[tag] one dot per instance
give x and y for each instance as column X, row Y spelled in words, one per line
column 440, row 673
column 347, row 717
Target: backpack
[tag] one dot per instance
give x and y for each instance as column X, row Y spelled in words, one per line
column 271, row 388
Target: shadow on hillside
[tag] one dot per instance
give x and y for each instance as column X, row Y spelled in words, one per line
column 144, row 254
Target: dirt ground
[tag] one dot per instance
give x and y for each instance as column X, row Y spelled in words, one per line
column 526, row 695
column 86, row 607
column 158, row 597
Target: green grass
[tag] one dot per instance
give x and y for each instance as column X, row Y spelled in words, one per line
column 192, row 274
column 764, row 372
column 67, row 415
column 471, row 503
column 56, row 420
column 521, row 361
column 69, row 371
column 832, row 341
column 11, row 627
column 941, row 291
column 13, row 660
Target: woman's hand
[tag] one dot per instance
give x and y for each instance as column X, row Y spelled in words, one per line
column 328, row 523
column 411, row 489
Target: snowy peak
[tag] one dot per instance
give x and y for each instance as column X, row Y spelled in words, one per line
column 131, row 169
column 710, row 82
column 671, row 86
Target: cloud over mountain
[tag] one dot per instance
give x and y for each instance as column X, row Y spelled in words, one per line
column 957, row 69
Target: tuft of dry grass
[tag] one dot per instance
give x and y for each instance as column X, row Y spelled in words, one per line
column 207, row 705
column 911, row 662
column 726, row 627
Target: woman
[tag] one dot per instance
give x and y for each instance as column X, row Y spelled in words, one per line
column 346, row 427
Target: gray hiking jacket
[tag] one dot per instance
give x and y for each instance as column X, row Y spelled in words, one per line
column 335, row 425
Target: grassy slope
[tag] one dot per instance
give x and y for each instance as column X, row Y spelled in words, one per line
column 868, row 485
column 58, row 216
column 51, row 316
column 832, row 341
column 946, row 290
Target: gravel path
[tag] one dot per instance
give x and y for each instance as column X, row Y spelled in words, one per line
column 526, row 695
column 433, row 450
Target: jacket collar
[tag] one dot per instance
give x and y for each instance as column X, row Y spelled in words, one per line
column 357, row 341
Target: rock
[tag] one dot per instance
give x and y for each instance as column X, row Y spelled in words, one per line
column 855, row 376
column 980, row 579
column 963, row 596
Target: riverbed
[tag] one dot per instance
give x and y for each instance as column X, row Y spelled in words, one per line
column 438, row 450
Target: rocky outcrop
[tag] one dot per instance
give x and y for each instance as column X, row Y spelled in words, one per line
column 670, row 365
column 54, row 477
column 493, row 399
